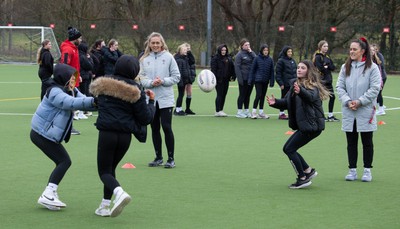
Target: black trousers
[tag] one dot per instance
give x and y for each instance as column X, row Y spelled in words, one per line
column 332, row 97
column 222, row 91
column 352, row 147
column 244, row 95
column 163, row 118
column 380, row 98
column 56, row 152
column 111, row 148
column 294, row 143
column 261, row 91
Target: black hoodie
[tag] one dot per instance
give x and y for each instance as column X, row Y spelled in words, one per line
column 222, row 66
column 285, row 68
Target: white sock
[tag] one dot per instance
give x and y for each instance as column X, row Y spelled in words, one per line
column 105, row 203
column 261, row 111
column 254, row 110
column 178, row 109
column 52, row 187
column 281, row 113
column 117, row 190
column 240, row 111
column 330, row 114
column 246, row 110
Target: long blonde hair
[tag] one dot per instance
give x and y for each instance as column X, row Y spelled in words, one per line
column 312, row 80
column 147, row 50
column 43, row 44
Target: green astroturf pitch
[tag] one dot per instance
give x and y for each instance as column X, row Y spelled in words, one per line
column 230, row 172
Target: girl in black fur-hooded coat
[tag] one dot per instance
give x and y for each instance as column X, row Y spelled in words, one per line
column 122, row 110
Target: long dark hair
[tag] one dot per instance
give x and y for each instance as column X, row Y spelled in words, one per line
column 312, row 80
column 367, row 55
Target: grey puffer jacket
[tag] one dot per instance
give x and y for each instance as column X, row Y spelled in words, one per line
column 362, row 86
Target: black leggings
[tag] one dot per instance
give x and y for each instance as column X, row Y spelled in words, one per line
column 295, row 142
column 380, row 98
column 352, row 147
column 331, row 97
column 244, row 95
column 163, row 118
column 111, row 148
column 261, row 91
column 56, row 152
column 222, row 91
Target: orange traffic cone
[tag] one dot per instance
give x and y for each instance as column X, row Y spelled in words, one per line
column 128, row 166
column 289, row 132
column 381, row 123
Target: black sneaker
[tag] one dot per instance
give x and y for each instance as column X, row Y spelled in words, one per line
column 179, row 113
column 75, row 132
column 170, row 164
column 156, row 162
column 333, row 119
column 189, row 112
column 311, row 174
column 300, row 183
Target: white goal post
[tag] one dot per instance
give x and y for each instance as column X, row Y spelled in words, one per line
column 19, row 44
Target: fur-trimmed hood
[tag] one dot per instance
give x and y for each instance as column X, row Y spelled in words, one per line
column 115, row 88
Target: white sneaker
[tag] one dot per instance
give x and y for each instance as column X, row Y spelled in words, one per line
column 81, row 115
column 49, row 199
column 223, row 114
column 88, row 113
column 367, row 176
column 76, row 117
column 263, row 116
column 120, row 202
column 103, row 211
column 253, row 115
column 241, row 114
column 380, row 112
column 248, row 114
column 352, row 175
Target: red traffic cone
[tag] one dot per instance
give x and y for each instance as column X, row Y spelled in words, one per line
column 128, row 166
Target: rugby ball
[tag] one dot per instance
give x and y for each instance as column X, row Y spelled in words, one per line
column 206, row 80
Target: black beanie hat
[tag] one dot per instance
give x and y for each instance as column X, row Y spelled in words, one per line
column 73, row 33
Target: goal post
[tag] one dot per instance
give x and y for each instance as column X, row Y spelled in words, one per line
column 19, row 44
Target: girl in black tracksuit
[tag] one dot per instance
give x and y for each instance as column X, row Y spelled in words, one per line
column 224, row 70
column 184, row 69
column 325, row 67
column 304, row 104
column 46, row 62
column 122, row 111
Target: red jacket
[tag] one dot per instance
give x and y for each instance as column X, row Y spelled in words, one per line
column 70, row 56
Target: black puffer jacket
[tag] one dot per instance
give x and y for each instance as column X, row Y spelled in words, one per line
column 86, row 63
column 285, row 69
column 320, row 61
column 222, row 66
column 262, row 70
column 184, row 69
column 121, row 104
column 305, row 109
column 46, row 64
column 109, row 60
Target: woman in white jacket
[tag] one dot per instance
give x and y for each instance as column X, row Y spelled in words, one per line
column 358, row 87
column 159, row 72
